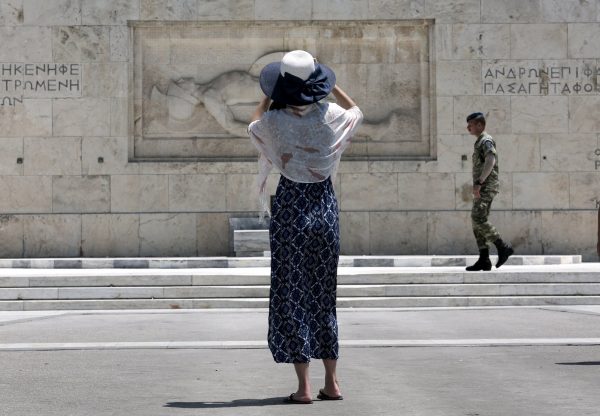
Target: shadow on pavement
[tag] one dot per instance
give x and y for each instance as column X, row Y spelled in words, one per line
column 582, row 363
column 271, row 401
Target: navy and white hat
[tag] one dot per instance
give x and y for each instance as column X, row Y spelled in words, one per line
column 297, row 79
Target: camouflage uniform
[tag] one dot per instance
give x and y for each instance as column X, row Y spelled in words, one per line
column 484, row 231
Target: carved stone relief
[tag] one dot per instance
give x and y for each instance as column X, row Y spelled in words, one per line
column 196, row 83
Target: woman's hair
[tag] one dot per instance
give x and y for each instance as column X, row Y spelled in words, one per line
column 277, row 105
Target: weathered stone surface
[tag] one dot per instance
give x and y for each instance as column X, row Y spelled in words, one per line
column 105, row 79
column 398, row 232
column 197, row 193
column 471, row 41
column 24, row 43
column 547, row 114
column 538, row 41
column 518, row 153
column 52, row 155
column 450, row 233
column 454, row 153
column 68, row 114
column 570, row 232
column 81, row 43
column 368, row 191
column 459, row 78
column 568, row 152
column 139, row 193
column 350, row 9
column 119, row 43
column 523, row 229
column 583, row 114
column 119, row 117
column 540, row 190
column 11, row 230
column 213, row 234
column 445, row 115
column 109, row 12
column 12, row 149
column 106, row 155
column 433, row 191
column 568, row 10
column 496, row 109
column 354, row 233
column 78, row 194
column 511, row 11
column 11, row 12
column 52, row 12
column 239, row 9
column 25, row 194
column 242, row 193
column 168, row 9
column 453, row 11
column 110, row 235
column 52, row 235
column 32, row 118
column 396, row 9
column 585, row 190
column 168, row 235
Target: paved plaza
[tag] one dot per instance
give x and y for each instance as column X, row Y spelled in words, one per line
column 537, row 361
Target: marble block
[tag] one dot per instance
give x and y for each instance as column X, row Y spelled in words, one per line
column 538, row 41
column 31, row 118
column 568, row 10
column 52, row 12
column 11, row 230
column 497, row 112
column 168, row 9
column 511, row 11
column 570, row 232
column 354, row 233
column 471, row 41
column 12, row 149
column 81, row 43
column 450, row 233
column 25, row 43
column 106, row 155
column 396, row 9
column 106, row 80
column 581, row 40
column 213, row 234
column 81, row 117
column 25, row 194
column 242, row 9
column 119, row 43
column 536, row 190
column 399, row 233
column 518, row 153
column 363, row 192
column 346, row 10
column 109, row 12
column 583, row 114
column 52, row 155
column 139, row 193
column 242, row 193
column 110, row 235
column 584, row 190
column 456, row 78
column 523, row 229
column 545, row 114
column 250, row 241
column 453, row 11
column 432, row 191
column 197, row 193
column 11, row 12
column 52, row 235
column 568, row 152
column 77, row 194
column 166, row 235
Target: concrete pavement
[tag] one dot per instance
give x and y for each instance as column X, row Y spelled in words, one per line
column 513, row 361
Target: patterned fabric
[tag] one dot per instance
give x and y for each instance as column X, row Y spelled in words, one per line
column 484, row 145
column 304, row 143
column 304, row 234
column 484, row 231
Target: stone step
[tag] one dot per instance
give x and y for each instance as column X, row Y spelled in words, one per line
column 39, row 278
column 195, row 292
column 342, row 302
column 242, row 262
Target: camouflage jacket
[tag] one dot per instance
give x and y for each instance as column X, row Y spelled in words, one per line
column 484, row 145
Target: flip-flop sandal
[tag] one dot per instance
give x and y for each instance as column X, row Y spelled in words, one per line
column 323, row 396
column 290, row 399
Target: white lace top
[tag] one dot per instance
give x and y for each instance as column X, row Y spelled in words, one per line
column 304, row 143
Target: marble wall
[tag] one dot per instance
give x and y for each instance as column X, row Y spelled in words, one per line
column 72, row 184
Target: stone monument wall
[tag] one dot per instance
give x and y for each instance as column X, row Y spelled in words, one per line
column 119, row 137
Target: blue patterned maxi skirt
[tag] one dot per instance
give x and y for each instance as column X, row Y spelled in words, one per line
column 305, row 246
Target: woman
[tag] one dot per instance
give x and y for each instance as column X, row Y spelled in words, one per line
column 303, row 138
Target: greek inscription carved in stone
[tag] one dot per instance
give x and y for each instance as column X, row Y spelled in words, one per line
column 38, row 80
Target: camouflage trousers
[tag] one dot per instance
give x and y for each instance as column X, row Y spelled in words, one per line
column 484, row 231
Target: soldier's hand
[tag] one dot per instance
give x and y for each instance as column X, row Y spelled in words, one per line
column 476, row 189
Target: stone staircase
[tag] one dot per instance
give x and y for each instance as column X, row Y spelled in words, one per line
column 363, row 281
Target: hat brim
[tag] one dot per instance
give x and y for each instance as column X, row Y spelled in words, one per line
column 271, row 80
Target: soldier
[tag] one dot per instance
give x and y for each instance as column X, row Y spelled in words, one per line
column 485, row 188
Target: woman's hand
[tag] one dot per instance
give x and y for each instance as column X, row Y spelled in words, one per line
column 261, row 108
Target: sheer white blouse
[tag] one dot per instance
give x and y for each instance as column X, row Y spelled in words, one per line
column 304, row 143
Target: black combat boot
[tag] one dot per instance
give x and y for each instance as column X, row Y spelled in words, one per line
column 504, row 251
column 482, row 263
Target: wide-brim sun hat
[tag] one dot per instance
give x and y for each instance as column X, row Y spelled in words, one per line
column 297, row 79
